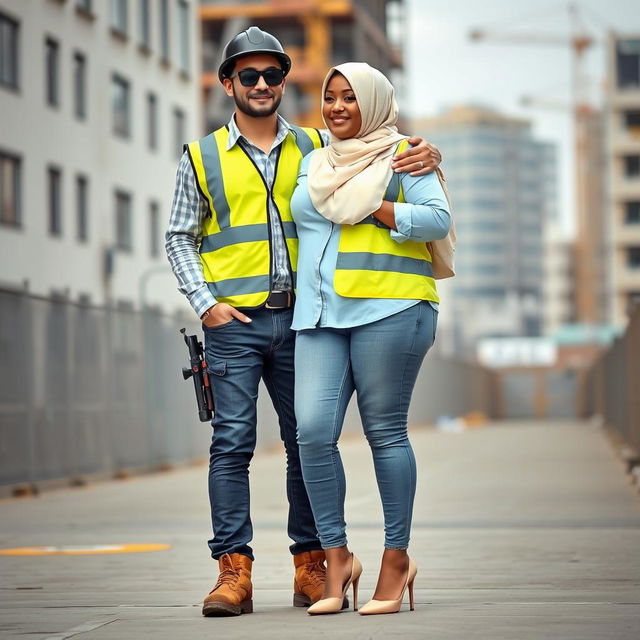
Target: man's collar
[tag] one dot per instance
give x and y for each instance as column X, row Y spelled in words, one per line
column 235, row 134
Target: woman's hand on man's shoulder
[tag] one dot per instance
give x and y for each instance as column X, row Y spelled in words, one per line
column 419, row 159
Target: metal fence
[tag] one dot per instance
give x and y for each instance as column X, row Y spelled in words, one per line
column 450, row 387
column 86, row 390
column 611, row 387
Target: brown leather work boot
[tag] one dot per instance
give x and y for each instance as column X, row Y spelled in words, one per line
column 232, row 594
column 310, row 577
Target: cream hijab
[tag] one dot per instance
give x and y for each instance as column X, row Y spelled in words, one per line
column 347, row 179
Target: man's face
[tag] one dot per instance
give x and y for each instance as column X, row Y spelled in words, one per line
column 259, row 100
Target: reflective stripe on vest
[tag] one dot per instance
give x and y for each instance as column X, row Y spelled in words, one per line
column 371, row 264
column 235, row 250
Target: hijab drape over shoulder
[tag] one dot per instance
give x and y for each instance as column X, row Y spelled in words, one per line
column 347, row 179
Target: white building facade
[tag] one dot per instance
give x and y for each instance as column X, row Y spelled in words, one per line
column 97, row 98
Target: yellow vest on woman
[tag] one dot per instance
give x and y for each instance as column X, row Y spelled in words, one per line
column 235, row 250
column 371, row 264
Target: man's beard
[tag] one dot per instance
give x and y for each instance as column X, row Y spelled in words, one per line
column 245, row 106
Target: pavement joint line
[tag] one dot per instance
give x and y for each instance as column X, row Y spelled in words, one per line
column 157, row 606
column 69, row 607
column 90, row 625
column 532, row 603
column 420, row 602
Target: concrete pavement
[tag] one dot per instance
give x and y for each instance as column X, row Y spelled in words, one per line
column 521, row 530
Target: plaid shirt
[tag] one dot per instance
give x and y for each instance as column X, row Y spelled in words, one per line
column 189, row 211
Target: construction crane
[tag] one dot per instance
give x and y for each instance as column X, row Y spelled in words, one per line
column 586, row 251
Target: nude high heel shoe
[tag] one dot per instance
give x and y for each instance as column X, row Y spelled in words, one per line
column 374, row 607
column 334, row 605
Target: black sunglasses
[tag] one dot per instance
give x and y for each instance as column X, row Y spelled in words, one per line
column 250, row 77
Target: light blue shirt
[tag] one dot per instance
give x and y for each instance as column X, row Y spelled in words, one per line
column 422, row 218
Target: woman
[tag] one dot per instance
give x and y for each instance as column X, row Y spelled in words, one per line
column 366, row 314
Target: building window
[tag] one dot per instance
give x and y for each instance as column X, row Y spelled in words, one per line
column 55, row 201
column 121, row 107
column 152, row 121
column 154, row 229
column 164, row 30
column 179, row 126
column 183, row 25
column 632, row 122
column 82, row 207
column 628, row 63
column 119, row 16
column 632, row 166
column 52, row 66
column 10, row 214
column 124, row 240
column 633, row 257
column 144, row 24
column 85, row 5
column 8, row 52
column 80, row 85
column 632, row 212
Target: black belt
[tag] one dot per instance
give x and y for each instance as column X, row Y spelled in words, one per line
column 279, row 300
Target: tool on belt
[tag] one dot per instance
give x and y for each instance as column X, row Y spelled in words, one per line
column 198, row 371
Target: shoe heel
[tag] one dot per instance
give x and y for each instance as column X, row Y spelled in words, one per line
column 410, row 586
column 355, row 584
column 246, row 606
column 413, row 572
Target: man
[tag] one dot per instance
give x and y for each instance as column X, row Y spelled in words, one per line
column 232, row 245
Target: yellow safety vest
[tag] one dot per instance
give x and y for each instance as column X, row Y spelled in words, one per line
column 371, row 264
column 235, row 250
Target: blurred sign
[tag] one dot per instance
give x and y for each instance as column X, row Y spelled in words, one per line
column 517, row 352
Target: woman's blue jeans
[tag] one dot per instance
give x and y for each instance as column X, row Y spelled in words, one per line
column 380, row 361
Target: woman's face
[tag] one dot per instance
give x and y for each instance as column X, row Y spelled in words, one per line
column 340, row 109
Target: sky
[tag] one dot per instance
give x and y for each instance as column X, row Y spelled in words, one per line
column 444, row 67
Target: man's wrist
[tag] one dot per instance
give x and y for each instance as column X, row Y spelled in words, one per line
column 207, row 313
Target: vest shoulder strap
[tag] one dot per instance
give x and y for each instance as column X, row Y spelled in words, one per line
column 185, row 147
column 194, row 152
column 307, row 139
column 394, row 188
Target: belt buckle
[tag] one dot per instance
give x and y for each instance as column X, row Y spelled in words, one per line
column 285, row 306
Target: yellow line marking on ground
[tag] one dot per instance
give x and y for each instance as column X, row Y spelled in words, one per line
column 95, row 549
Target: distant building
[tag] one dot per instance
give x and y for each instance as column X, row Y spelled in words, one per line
column 559, row 307
column 623, row 124
column 558, row 254
column 316, row 34
column 96, row 99
column 502, row 183
column 590, row 256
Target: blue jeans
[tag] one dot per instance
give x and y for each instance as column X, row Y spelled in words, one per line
column 238, row 355
column 380, row 361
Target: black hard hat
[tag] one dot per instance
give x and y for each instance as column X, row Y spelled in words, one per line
column 253, row 40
